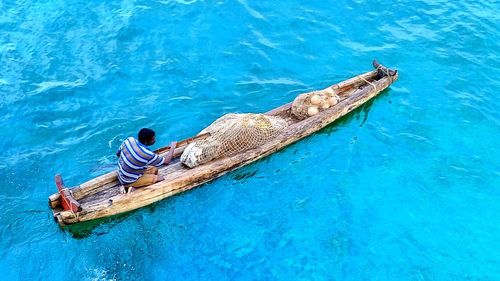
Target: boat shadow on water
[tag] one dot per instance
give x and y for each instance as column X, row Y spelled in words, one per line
column 103, row 225
column 85, row 229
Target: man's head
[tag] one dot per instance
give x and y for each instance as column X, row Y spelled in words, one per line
column 147, row 136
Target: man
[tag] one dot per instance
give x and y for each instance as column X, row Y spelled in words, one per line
column 137, row 164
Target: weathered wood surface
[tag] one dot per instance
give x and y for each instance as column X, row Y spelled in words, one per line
column 101, row 197
column 54, row 200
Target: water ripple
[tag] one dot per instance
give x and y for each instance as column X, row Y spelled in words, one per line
column 251, row 11
column 52, row 85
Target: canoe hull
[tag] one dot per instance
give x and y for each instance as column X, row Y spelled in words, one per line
column 179, row 178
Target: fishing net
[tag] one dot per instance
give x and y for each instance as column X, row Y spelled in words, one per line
column 310, row 104
column 232, row 134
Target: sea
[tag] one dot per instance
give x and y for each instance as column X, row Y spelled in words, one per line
column 406, row 187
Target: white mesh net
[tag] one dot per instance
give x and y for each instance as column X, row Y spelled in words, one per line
column 310, row 104
column 231, row 134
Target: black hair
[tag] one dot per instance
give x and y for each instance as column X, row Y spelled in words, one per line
column 145, row 135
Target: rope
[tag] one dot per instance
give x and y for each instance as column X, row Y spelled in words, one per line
column 337, row 98
column 386, row 71
column 373, row 85
column 69, row 203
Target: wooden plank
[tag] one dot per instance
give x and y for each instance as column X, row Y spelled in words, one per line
column 97, row 193
column 93, row 185
column 355, row 81
column 55, row 200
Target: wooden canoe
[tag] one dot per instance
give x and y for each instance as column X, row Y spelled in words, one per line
column 102, row 197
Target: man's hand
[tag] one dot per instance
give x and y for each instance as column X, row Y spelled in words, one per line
column 170, row 154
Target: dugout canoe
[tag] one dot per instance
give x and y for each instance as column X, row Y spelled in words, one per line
column 102, row 196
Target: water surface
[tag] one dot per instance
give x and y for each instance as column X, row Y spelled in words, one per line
column 406, row 188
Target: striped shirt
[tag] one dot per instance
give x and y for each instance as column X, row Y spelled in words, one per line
column 134, row 159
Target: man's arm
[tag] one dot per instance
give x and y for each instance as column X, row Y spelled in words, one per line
column 170, row 154
column 158, row 160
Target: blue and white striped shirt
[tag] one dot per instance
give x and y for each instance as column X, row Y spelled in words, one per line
column 134, row 158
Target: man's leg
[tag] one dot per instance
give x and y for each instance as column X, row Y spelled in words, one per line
column 149, row 177
column 144, row 180
column 154, row 171
column 151, row 170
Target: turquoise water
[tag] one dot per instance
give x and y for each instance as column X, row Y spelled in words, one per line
column 405, row 188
